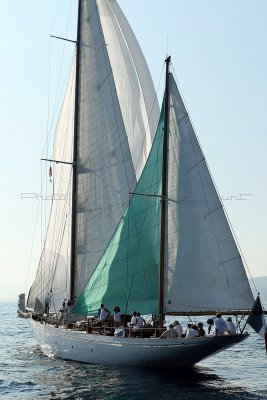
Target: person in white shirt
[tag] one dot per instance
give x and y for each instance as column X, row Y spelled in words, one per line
column 220, row 325
column 133, row 323
column 140, row 322
column 231, row 326
column 63, row 311
column 178, row 328
column 104, row 314
column 117, row 316
column 170, row 333
column 191, row 331
column 133, row 319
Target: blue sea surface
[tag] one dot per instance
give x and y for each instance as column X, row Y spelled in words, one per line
column 25, row 373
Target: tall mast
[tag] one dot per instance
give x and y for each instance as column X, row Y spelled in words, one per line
column 164, row 191
column 75, row 140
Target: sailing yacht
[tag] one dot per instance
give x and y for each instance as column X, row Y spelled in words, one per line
column 139, row 223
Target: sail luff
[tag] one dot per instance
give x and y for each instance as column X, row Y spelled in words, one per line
column 75, row 148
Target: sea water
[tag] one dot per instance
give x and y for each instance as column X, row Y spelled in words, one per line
column 25, row 373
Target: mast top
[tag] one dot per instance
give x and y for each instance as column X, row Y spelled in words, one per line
column 168, row 60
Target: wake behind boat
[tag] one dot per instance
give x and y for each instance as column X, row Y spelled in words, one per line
column 140, row 224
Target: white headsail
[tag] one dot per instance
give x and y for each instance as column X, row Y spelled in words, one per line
column 204, row 270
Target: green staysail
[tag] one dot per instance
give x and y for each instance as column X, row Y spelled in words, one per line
column 127, row 274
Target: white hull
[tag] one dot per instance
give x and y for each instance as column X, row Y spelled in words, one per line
column 109, row 350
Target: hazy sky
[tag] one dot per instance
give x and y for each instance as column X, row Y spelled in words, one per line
column 219, row 54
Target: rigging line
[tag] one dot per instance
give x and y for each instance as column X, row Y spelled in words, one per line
column 55, row 20
column 57, row 99
column 57, row 241
column 49, row 78
column 67, row 29
column 56, row 106
column 61, row 169
column 44, row 257
column 41, row 236
column 33, row 240
column 57, row 254
column 41, row 264
column 127, row 293
column 43, row 175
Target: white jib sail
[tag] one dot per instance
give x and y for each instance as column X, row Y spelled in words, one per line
column 204, row 270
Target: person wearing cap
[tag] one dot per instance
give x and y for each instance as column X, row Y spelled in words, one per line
column 220, row 325
column 231, row 326
column 178, row 328
column 170, row 333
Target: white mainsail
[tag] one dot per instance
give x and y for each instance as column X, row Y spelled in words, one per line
column 117, row 115
column 117, row 118
column 204, row 269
